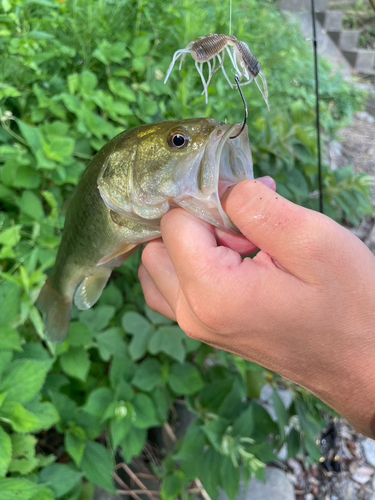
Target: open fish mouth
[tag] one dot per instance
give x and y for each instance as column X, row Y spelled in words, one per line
column 194, row 180
column 223, row 162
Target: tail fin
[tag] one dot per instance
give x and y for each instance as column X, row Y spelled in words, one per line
column 57, row 309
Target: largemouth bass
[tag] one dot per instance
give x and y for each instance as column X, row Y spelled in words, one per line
column 123, row 194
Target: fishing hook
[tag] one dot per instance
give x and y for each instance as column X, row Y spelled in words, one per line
column 245, row 106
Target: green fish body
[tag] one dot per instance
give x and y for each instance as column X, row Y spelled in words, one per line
column 123, row 194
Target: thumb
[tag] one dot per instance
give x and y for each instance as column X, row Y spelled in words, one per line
column 287, row 232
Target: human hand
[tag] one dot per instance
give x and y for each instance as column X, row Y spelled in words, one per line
column 303, row 307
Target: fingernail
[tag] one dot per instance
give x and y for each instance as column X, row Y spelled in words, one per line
column 267, row 181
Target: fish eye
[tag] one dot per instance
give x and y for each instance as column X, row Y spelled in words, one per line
column 178, row 139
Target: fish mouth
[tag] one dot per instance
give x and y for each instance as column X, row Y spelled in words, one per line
column 224, row 162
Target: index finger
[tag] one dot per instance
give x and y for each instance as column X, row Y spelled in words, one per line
column 193, row 249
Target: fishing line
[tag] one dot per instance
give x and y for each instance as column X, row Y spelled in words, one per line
column 230, row 16
column 320, row 173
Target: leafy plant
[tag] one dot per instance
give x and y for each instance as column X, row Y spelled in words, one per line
column 74, row 74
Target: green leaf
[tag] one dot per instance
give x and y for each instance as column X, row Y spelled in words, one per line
column 75, row 443
column 293, row 443
column 5, row 359
column 66, row 407
column 45, row 412
column 263, row 423
column 235, row 402
column 141, row 46
column 92, row 426
column 88, row 81
column 30, row 205
column 213, row 395
column 17, row 489
column 18, row 417
column 10, row 237
column 79, row 334
column 33, row 350
column 9, row 339
column 9, row 302
column 112, row 296
column 156, row 318
column 162, row 399
column 26, row 177
column 148, row 375
column 23, row 454
column 97, row 318
column 168, row 339
column 5, row 452
column 191, row 345
column 172, row 485
column 243, row 426
column 107, row 52
column 134, row 323
column 192, row 447
column 60, row 478
column 210, row 472
column 312, row 448
column 98, row 401
column 44, row 494
column 281, row 413
column 119, row 428
column 76, row 363
column 255, row 381
column 98, row 466
column 215, row 431
column 121, row 370
column 111, row 343
column 138, row 344
column 230, row 477
column 32, row 135
column 133, row 444
column 119, row 88
column 263, row 451
column 185, row 379
column 145, row 414
column 23, row 379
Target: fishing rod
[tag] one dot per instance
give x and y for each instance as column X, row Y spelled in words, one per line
column 320, row 173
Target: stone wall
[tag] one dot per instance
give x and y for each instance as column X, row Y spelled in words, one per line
column 342, row 3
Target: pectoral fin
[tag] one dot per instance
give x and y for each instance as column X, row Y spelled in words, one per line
column 125, row 251
column 90, row 289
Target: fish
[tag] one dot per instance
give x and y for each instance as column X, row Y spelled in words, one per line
column 124, row 192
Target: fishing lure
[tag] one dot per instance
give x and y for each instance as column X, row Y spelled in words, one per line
column 207, row 49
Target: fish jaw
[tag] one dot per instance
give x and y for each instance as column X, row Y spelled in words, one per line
column 224, row 162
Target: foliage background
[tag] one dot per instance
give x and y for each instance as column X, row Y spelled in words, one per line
column 74, row 74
